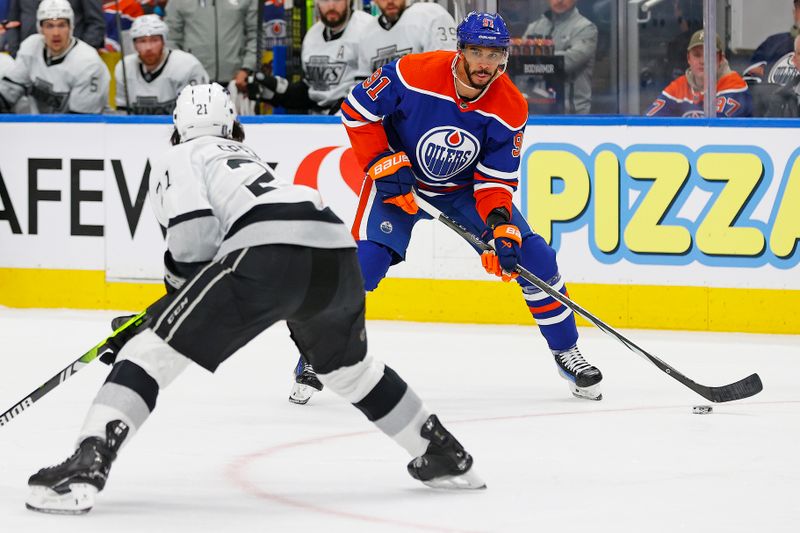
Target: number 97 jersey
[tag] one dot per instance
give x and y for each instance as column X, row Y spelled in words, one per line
column 215, row 195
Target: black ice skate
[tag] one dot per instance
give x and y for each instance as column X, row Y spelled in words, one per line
column 445, row 464
column 71, row 487
column 584, row 379
column 306, row 383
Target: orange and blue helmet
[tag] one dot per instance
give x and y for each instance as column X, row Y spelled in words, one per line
column 483, row 29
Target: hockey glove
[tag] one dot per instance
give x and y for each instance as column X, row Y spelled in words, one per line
column 176, row 273
column 394, row 180
column 262, row 86
column 503, row 260
column 116, row 342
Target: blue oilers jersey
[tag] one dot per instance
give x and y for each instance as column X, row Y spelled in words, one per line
column 412, row 106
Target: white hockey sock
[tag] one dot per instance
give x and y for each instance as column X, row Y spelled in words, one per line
column 152, row 366
column 404, row 420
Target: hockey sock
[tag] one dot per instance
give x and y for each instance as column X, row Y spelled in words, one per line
column 129, row 394
column 146, row 364
column 385, row 399
column 555, row 321
column 397, row 411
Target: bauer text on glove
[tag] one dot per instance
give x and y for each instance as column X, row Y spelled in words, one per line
column 394, row 180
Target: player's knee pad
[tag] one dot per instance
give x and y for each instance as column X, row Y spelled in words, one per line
column 354, row 382
column 375, row 260
column 157, row 358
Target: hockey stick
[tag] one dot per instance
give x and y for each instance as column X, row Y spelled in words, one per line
column 743, row 388
column 95, row 352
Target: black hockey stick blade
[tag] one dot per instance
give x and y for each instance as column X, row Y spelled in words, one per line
column 744, row 388
column 93, row 353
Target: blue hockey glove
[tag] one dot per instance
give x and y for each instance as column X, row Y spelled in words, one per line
column 503, row 260
column 394, row 180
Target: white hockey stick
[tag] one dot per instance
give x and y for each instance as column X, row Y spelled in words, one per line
column 743, row 388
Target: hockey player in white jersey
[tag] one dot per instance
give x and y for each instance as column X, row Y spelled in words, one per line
column 397, row 31
column 153, row 77
column 60, row 73
column 403, row 29
column 330, row 62
column 6, row 65
column 247, row 249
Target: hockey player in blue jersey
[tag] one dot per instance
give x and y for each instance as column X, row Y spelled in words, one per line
column 449, row 126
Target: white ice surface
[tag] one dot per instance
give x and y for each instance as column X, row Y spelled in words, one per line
column 228, row 452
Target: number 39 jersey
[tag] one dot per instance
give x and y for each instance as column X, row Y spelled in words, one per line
column 214, row 196
column 422, row 27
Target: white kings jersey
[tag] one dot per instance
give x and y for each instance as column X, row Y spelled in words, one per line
column 154, row 93
column 422, row 27
column 330, row 68
column 6, row 64
column 75, row 82
column 215, row 195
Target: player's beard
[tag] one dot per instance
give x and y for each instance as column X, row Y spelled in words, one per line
column 338, row 21
column 477, row 84
column 396, row 11
column 151, row 58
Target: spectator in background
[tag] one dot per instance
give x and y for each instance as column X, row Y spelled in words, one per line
column 684, row 96
column 61, row 73
column 780, row 98
column 770, row 52
column 154, row 75
column 119, row 16
column 575, row 38
column 689, row 18
column 89, row 24
column 3, row 20
column 221, row 34
column 330, row 62
column 401, row 29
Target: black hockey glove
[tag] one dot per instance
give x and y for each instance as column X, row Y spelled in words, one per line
column 116, row 342
column 176, row 273
column 261, row 86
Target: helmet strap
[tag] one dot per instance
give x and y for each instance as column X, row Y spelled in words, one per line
column 454, row 69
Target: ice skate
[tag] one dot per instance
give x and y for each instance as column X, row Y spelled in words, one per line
column 445, row 464
column 306, row 383
column 584, row 379
column 70, row 487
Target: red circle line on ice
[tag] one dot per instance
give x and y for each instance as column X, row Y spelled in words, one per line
column 236, row 471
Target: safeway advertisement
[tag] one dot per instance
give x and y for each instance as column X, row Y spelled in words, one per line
column 621, row 204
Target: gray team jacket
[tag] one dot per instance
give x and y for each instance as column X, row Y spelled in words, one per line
column 575, row 38
column 219, row 33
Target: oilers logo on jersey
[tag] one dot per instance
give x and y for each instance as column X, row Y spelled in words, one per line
column 444, row 151
column 386, row 55
column 322, row 73
column 783, row 71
